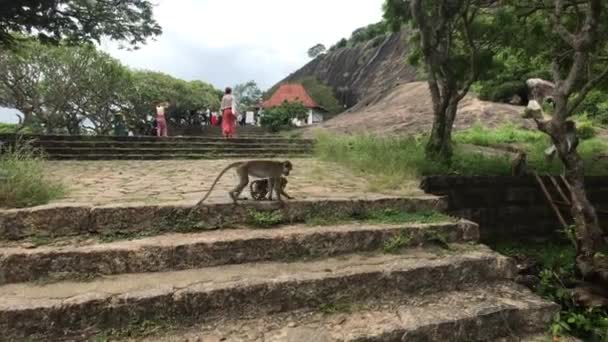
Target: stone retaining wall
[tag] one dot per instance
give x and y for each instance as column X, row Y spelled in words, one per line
column 509, row 206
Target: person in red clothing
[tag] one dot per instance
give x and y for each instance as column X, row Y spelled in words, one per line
column 228, row 109
column 161, row 120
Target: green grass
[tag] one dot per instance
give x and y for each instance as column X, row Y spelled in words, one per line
column 263, row 219
column 390, row 161
column 397, row 243
column 507, row 134
column 385, row 216
column 22, row 179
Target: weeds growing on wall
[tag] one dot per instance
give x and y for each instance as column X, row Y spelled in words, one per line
column 22, row 179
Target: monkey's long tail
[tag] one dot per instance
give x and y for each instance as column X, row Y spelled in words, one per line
column 217, row 180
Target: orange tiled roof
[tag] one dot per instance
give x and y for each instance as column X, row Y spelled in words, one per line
column 289, row 93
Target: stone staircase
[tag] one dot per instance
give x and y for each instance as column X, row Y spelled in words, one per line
column 65, row 147
column 176, row 280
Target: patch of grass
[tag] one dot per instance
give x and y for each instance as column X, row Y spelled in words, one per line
column 389, row 216
column 38, row 240
column 335, row 307
column 390, row 162
column 327, row 220
column 22, row 179
column 397, row 243
column 263, row 219
column 381, row 216
column 557, row 260
column 506, row 134
column 437, row 238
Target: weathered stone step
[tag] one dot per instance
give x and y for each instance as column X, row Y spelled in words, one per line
column 165, row 144
column 71, row 220
column 168, row 156
column 499, row 311
column 98, row 138
column 51, row 311
column 174, row 151
column 188, row 251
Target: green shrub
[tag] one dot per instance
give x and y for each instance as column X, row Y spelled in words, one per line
column 503, row 92
column 585, row 129
column 281, row 117
column 595, row 106
column 22, row 179
column 369, row 32
column 322, row 94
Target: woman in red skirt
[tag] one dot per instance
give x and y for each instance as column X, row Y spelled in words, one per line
column 228, row 114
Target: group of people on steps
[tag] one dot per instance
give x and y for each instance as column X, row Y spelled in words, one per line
column 227, row 108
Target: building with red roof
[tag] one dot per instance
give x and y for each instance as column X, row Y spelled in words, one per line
column 295, row 92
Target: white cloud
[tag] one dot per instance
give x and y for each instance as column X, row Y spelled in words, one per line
column 229, row 42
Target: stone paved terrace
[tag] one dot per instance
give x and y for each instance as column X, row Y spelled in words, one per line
column 184, row 182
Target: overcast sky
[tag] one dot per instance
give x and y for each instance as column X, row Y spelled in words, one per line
column 230, row 42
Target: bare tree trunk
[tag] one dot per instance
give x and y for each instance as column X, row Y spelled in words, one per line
column 440, row 141
column 588, row 233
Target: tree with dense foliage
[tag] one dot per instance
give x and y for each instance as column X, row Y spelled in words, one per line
column 187, row 100
column 322, row 94
column 68, row 89
column 57, row 88
column 453, row 41
column 316, row 50
column 78, row 20
column 282, row 117
column 248, row 95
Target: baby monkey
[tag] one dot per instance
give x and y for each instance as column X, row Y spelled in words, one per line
column 259, row 189
column 269, row 169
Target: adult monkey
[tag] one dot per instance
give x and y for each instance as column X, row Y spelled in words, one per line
column 272, row 170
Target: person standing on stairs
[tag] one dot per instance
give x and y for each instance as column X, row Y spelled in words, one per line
column 228, row 109
column 161, row 120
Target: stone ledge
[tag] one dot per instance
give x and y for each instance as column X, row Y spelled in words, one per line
column 233, row 291
column 58, row 221
column 494, row 312
column 174, row 252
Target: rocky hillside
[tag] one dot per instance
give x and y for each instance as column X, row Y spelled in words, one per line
column 407, row 108
column 358, row 71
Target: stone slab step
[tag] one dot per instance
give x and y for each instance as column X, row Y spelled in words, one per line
column 43, row 138
column 499, row 311
column 180, row 150
column 235, row 246
column 72, row 220
column 166, row 156
column 165, row 144
column 54, row 310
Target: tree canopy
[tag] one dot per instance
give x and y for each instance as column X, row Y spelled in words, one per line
column 316, row 50
column 248, row 96
column 73, row 89
column 73, row 21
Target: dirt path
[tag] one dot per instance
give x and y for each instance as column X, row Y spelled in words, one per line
column 102, row 183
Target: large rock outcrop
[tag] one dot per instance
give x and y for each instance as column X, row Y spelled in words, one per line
column 366, row 68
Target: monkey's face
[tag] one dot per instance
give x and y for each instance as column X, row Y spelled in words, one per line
column 287, row 167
